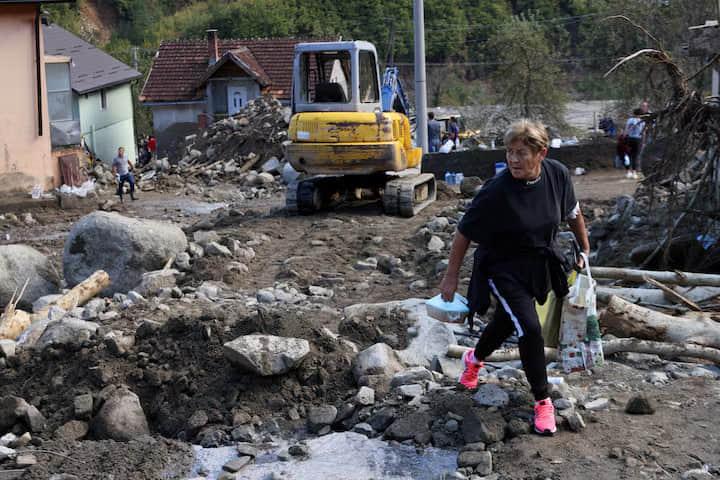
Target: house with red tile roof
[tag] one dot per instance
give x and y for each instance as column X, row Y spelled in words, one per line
column 194, row 83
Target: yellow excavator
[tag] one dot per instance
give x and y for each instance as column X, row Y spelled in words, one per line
column 350, row 135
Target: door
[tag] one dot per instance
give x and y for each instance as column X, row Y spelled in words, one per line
column 237, row 98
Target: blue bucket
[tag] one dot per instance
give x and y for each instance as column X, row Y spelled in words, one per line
column 499, row 167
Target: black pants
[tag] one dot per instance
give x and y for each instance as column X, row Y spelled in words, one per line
column 515, row 311
column 635, row 147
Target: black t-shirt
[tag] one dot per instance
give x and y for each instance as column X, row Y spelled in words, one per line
column 514, row 221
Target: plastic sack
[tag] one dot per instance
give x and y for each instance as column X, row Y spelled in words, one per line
column 447, row 147
column 448, row 312
column 576, row 350
column 550, row 313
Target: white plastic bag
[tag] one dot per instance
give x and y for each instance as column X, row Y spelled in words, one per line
column 446, row 147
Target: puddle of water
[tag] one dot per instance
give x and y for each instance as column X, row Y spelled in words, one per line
column 338, row 456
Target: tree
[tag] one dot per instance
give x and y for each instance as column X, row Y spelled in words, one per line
column 527, row 75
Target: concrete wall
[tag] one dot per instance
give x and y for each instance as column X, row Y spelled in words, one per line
column 173, row 122
column 25, row 158
column 481, row 163
column 107, row 129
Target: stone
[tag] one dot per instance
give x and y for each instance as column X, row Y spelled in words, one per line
column 182, row 261
column 265, row 295
column 598, row 404
column 452, row 426
column 438, row 224
column 365, row 396
column 409, row 427
column 214, row 249
column 7, row 348
column 410, row 376
column 34, row 419
column 153, row 282
column 197, row 420
column 22, row 441
column 639, row 405
column 487, row 427
column 435, row 244
column 562, row 404
column 574, row 421
column 264, row 178
column 19, row 263
column 491, row 395
column 382, row 419
column 25, row 460
column 125, row 248
column 516, row 427
column 121, row 418
column 118, row 344
column 388, row 263
column 44, row 301
column 208, row 290
column 299, row 450
column 266, row 354
column 658, row 378
column 367, row 264
column 378, row 359
column 72, row 431
column 244, row 433
column 67, row 333
column 195, row 250
column 203, row 237
column 364, row 429
column 6, row 452
column 147, row 329
column 321, row 292
column 245, row 449
column 320, row 416
column 8, row 440
column 410, row 391
column 480, row 461
column 237, row 464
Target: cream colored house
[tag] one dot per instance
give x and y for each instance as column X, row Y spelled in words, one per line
column 25, row 148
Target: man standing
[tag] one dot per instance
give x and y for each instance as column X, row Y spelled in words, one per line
column 121, row 167
column 433, row 133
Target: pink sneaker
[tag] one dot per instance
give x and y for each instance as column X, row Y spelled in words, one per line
column 545, row 417
column 469, row 377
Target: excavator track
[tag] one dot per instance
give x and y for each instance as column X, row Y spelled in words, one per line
column 303, row 197
column 407, row 196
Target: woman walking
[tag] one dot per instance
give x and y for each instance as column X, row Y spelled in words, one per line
column 514, row 221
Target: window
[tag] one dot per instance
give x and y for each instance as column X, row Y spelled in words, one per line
column 103, row 99
column 60, row 100
column 368, row 78
column 325, row 77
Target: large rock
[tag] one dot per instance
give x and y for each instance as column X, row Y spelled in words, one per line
column 124, row 247
column 12, row 410
column 266, row 354
column 379, row 359
column 19, row 263
column 121, row 418
column 486, row 427
column 69, row 334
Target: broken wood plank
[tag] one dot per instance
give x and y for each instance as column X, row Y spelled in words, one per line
column 624, row 319
column 675, row 296
column 673, row 278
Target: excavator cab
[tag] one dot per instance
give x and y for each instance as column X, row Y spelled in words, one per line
column 341, row 138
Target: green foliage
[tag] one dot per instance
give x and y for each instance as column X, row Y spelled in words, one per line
column 526, row 74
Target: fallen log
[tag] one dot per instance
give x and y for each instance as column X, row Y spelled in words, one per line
column 655, row 296
column 12, row 320
column 610, row 347
column 624, row 319
column 81, row 293
column 675, row 278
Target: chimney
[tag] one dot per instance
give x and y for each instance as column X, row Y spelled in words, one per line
column 213, row 53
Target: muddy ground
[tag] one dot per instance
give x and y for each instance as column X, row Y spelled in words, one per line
column 179, row 369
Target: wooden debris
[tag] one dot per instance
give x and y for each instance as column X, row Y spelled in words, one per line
column 624, row 319
column 673, row 278
column 673, row 294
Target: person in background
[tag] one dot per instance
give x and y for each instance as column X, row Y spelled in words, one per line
column 454, row 132
column 634, row 133
column 121, row 166
column 434, row 132
column 514, row 221
column 152, row 147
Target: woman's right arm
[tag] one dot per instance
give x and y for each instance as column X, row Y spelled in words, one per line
column 449, row 283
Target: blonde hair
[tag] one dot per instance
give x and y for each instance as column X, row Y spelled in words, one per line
column 531, row 133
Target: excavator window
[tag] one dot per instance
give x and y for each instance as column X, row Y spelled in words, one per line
column 369, row 92
column 326, row 77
